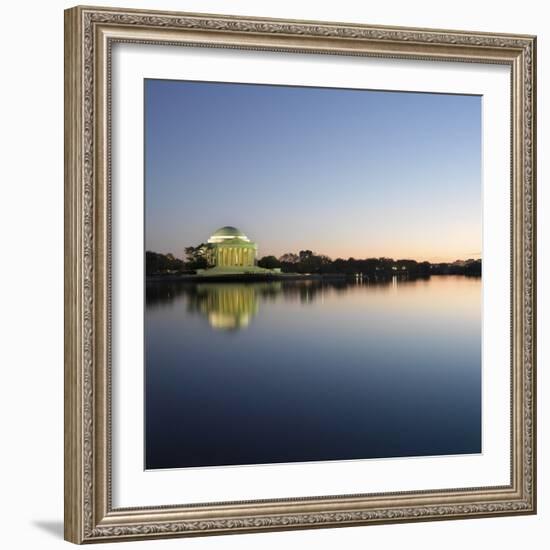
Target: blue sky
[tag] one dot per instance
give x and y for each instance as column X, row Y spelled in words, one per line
column 342, row 172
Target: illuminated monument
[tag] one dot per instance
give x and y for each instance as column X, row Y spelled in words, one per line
column 229, row 247
column 230, row 252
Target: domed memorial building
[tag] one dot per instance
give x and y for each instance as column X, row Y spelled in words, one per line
column 230, row 252
column 229, row 247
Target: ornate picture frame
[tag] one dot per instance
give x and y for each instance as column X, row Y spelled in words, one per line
column 90, row 34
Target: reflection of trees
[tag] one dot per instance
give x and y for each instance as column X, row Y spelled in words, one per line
column 233, row 305
column 160, row 293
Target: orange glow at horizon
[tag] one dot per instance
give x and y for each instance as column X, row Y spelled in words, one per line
column 454, row 251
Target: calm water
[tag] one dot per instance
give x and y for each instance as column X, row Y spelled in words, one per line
column 302, row 370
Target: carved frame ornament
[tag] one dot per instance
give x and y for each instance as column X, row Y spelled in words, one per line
column 89, row 35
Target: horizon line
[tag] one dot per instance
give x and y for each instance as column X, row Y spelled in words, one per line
column 394, row 259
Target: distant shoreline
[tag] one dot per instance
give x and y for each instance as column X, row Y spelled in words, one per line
column 243, row 277
column 306, row 264
column 240, row 277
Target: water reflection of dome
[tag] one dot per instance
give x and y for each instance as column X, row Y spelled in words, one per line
column 228, row 306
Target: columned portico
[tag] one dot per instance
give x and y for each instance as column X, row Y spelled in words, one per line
column 229, row 247
column 230, row 253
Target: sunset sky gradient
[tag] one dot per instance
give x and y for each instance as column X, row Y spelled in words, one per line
column 341, row 172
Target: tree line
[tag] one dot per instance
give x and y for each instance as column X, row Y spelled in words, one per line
column 307, row 261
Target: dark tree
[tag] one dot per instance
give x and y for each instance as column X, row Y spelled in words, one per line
column 269, row 262
column 473, row 268
column 156, row 263
column 196, row 256
column 305, row 255
column 289, row 258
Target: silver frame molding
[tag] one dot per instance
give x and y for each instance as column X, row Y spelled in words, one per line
column 89, row 36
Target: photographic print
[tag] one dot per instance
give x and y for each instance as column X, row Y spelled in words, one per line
column 312, row 274
column 300, row 284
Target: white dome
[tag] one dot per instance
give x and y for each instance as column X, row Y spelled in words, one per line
column 228, row 233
